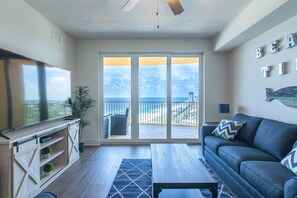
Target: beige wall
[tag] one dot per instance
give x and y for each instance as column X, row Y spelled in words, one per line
column 246, row 78
column 26, row 32
column 214, row 71
column 3, row 98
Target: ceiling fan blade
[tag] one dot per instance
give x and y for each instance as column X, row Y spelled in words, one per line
column 129, row 5
column 175, row 6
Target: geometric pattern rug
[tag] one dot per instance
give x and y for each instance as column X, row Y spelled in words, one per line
column 133, row 180
column 223, row 191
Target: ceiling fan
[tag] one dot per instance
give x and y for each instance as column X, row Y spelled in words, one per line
column 174, row 5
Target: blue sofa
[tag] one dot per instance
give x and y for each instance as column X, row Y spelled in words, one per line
column 250, row 164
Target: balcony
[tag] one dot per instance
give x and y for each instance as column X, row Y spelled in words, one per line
column 153, row 116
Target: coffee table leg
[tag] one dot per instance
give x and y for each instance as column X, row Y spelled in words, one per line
column 156, row 192
column 214, row 192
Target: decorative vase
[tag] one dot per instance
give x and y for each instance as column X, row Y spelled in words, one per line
column 46, row 173
column 46, row 155
column 81, row 147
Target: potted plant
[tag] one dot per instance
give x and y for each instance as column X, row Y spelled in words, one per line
column 46, row 152
column 81, row 103
column 47, row 168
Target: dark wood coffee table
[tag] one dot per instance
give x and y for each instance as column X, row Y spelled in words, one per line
column 174, row 166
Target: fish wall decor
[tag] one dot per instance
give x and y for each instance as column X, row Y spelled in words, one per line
column 286, row 95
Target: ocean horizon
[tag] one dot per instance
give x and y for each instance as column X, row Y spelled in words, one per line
column 146, row 99
column 152, row 110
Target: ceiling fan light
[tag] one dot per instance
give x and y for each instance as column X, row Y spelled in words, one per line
column 129, row 5
column 175, row 6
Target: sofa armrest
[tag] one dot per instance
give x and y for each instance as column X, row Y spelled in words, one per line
column 206, row 130
column 291, row 187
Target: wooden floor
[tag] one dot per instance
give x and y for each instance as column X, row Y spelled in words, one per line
column 92, row 175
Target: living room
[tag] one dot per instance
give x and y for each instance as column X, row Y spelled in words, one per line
column 237, row 64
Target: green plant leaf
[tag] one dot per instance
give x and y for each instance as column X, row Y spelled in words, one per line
column 81, row 103
column 48, row 167
column 47, row 150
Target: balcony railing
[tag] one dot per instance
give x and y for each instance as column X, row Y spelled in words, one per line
column 150, row 112
column 155, row 113
column 185, row 113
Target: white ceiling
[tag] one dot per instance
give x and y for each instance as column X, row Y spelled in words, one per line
column 96, row 19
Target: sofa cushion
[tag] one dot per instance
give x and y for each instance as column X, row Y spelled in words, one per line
column 234, row 155
column 290, row 187
column 268, row 177
column 290, row 161
column 248, row 131
column 214, row 142
column 227, row 129
column 276, row 138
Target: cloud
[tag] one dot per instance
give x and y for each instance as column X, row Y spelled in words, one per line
column 152, row 81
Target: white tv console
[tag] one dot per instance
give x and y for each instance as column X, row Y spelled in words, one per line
column 21, row 160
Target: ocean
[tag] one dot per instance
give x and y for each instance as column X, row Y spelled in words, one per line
column 152, row 110
column 146, row 99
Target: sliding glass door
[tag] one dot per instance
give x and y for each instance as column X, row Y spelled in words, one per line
column 184, row 97
column 117, row 97
column 150, row 98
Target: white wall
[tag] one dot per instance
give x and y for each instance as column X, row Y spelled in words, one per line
column 25, row 31
column 214, row 69
column 256, row 18
column 246, row 78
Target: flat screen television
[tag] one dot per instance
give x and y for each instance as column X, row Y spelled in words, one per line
column 31, row 92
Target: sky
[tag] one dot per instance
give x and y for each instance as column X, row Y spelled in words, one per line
column 152, row 81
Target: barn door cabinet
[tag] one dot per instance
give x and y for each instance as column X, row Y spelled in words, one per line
column 22, row 160
column 73, row 141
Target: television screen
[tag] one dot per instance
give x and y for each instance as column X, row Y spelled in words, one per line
column 24, row 98
column 57, row 91
column 31, row 91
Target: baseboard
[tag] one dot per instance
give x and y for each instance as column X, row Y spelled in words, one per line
column 143, row 143
column 91, row 142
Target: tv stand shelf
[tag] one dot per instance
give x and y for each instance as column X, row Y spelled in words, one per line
column 22, row 160
column 50, row 142
column 52, row 157
column 46, row 178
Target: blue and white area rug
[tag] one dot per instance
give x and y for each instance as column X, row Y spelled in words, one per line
column 133, row 180
column 223, row 191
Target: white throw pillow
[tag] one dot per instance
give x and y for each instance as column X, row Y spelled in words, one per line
column 290, row 161
column 228, row 129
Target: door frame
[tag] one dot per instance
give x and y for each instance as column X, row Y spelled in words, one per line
column 135, row 97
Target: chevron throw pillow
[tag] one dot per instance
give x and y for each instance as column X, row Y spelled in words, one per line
column 290, row 161
column 228, row 129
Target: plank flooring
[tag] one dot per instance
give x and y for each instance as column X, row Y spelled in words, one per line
column 92, row 175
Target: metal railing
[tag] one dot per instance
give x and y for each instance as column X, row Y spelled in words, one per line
column 185, row 113
column 115, row 107
column 155, row 113
column 150, row 112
